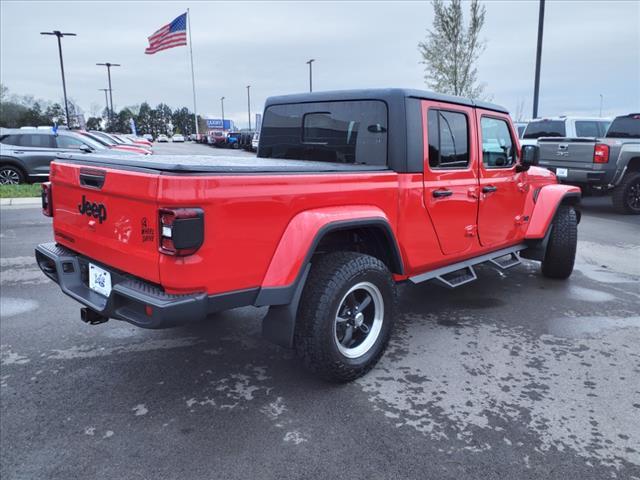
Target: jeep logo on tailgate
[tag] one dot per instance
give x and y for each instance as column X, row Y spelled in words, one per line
column 96, row 210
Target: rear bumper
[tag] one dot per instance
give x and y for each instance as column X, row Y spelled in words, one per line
column 130, row 296
column 581, row 176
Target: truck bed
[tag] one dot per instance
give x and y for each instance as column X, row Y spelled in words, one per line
column 190, row 164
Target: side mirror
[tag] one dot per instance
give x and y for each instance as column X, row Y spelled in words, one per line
column 529, row 155
column 86, row 149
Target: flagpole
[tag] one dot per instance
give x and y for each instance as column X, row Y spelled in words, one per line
column 193, row 78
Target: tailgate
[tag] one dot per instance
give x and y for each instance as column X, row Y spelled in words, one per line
column 108, row 215
column 571, row 152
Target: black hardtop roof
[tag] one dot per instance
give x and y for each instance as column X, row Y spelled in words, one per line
column 388, row 95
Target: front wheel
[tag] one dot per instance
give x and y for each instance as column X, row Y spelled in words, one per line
column 345, row 316
column 561, row 249
column 626, row 196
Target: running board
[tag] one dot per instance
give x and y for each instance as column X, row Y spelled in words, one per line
column 461, row 273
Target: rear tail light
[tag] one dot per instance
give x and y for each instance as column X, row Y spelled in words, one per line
column 47, row 200
column 181, row 231
column 601, row 153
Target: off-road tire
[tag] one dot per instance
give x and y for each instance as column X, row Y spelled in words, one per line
column 8, row 172
column 331, row 277
column 620, row 196
column 561, row 249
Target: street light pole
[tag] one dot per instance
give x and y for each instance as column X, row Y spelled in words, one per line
column 601, row 99
column 59, row 35
column 106, row 100
column 222, row 104
column 249, row 105
column 311, row 74
column 109, row 65
column 536, row 88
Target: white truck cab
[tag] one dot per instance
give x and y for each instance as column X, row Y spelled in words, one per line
column 565, row 127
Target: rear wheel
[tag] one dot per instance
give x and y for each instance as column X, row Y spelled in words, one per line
column 626, row 196
column 345, row 315
column 11, row 175
column 561, row 249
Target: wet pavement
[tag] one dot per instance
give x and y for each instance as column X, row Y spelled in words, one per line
column 513, row 376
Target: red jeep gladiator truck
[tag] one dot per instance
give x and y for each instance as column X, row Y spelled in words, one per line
column 351, row 192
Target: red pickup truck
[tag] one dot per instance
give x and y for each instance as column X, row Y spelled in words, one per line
column 350, row 193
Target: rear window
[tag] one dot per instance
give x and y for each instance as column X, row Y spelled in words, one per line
column 341, row 132
column 591, row 128
column 10, row 140
column 625, row 127
column 545, row 128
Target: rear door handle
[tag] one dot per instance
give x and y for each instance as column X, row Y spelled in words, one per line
column 442, row 193
column 489, row 189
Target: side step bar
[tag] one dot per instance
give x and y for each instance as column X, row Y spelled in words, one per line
column 461, row 273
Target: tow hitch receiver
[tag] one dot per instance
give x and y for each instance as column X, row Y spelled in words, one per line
column 91, row 316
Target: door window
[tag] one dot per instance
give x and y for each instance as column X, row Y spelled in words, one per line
column 497, row 145
column 448, row 134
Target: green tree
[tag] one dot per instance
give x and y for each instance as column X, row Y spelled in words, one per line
column 182, row 120
column 451, row 49
column 143, row 118
column 94, row 123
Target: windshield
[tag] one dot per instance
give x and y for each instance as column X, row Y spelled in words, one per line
column 89, row 141
column 545, row 128
column 625, row 127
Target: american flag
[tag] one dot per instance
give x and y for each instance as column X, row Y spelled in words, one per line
column 173, row 34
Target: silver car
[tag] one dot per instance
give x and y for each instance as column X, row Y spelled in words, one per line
column 25, row 154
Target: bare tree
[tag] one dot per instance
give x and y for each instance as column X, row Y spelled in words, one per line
column 451, row 50
column 519, row 113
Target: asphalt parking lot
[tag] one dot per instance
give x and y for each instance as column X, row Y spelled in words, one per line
column 514, row 376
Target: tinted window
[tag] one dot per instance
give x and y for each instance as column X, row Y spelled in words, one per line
column 586, row 128
column 36, row 140
column 344, row 132
column 545, row 128
column 448, row 134
column 11, row 140
column 625, row 127
column 497, row 145
column 521, row 130
column 65, row 141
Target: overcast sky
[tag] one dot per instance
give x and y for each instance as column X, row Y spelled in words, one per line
column 590, row 48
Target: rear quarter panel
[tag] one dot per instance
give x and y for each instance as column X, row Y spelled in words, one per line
column 246, row 217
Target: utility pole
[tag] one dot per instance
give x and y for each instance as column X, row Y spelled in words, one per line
column 222, row 104
column 109, row 65
column 249, row 105
column 311, row 74
column 106, row 100
column 59, row 35
column 536, row 88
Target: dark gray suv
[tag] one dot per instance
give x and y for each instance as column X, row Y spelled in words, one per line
column 25, row 154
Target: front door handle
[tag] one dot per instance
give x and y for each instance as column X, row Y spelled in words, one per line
column 489, row 189
column 442, row 193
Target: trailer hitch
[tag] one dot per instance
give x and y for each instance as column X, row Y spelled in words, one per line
column 91, row 316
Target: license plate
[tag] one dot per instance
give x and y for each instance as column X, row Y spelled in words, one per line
column 562, row 172
column 99, row 280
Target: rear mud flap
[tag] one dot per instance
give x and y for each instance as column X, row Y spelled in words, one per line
column 278, row 325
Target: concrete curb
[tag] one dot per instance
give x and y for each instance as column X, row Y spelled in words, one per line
column 22, row 201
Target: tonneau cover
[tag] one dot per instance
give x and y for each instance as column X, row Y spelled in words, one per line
column 215, row 164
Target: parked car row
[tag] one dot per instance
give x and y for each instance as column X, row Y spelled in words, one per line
column 244, row 139
column 25, row 153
